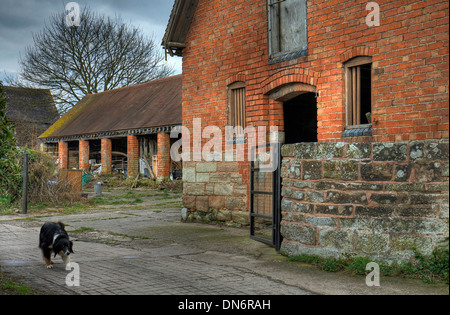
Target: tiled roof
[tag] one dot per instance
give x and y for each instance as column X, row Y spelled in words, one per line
column 153, row 104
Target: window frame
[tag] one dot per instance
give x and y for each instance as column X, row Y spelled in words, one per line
column 234, row 120
column 351, row 82
column 274, row 25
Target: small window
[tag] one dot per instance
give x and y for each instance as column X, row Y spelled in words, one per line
column 237, row 114
column 288, row 30
column 358, row 81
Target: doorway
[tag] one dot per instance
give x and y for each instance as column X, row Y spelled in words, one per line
column 300, row 119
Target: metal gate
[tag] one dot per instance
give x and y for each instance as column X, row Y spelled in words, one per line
column 265, row 194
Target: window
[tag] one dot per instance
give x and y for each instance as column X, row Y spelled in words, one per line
column 288, row 31
column 358, row 81
column 237, row 114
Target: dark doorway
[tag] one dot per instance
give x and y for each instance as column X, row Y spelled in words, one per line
column 300, row 119
column 95, row 148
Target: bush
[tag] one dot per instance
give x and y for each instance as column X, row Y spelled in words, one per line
column 43, row 183
column 9, row 166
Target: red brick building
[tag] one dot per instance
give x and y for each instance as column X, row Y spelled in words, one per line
column 361, row 87
column 120, row 128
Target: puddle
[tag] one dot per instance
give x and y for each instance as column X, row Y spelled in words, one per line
column 14, row 263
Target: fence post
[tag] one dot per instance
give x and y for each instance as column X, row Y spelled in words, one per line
column 25, row 184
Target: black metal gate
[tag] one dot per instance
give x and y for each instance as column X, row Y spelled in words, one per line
column 265, row 194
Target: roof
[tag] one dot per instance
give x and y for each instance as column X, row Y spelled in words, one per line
column 136, row 109
column 30, row 105
column 178, row 27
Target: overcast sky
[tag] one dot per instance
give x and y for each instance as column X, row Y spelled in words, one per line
column 19, row 19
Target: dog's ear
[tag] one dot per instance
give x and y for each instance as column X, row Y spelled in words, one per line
column 70, row 247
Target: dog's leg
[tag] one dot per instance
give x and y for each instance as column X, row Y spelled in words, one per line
column 47, row 259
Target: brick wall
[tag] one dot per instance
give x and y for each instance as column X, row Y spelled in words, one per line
column 228, row 42
column 84, row 155
column 133, row 156
column 163, row 156
column 409, row 52
column 63, row 155
column 106, row 149
column 369, row 199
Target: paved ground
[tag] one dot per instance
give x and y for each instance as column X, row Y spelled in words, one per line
column 145, row 249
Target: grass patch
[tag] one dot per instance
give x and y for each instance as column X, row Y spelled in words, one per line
column 82, row 230
column 430, row 269
column 129, row 236
column 88, row 229
column 9, row 286
column 115, row 201
column 13, row 288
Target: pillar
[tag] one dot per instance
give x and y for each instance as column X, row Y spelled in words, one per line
column 133, row 156
column 84, row 155
column 63, row 155
column 163, row 156
column 106, row 156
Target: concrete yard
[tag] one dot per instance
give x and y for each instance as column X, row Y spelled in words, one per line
column 144, row 249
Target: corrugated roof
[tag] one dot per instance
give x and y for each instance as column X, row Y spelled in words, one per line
column 153, row 104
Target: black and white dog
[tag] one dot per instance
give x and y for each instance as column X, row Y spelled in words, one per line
column 54, row 238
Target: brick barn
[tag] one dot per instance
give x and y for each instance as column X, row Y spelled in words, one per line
column 126, row 129
column 359, row 95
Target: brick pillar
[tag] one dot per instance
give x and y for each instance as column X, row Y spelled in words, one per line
column 106, row 156
column 163, row 156
column 84, row 155
column 63, row 155
column 133, row 156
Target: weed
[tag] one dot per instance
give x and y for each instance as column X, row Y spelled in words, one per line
column 430, row 269
column 358, row 265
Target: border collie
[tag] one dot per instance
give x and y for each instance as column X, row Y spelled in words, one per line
column 54, row 238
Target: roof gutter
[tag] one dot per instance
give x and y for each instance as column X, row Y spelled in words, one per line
column 178, row 26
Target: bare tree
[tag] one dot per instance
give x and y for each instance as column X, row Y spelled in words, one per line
column 100, row 54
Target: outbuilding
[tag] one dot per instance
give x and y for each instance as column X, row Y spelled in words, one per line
column 125, row 130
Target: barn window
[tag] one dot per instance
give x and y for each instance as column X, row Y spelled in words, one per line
column 358, row 81
column 237, row 105
column 237, row 112
column 288, row 30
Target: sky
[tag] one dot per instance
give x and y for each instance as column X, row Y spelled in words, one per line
column 19, row 19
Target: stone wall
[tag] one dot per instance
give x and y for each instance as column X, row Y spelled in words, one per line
column 214, row 191
column 379, row 200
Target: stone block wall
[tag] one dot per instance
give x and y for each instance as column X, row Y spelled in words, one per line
column 378, row 200
column 214, row 191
